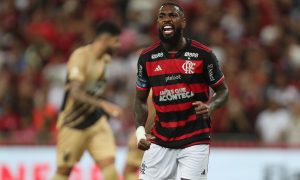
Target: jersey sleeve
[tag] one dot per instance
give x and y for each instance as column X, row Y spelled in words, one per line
column 76, row 66
column 142, row 81
column 212, row 72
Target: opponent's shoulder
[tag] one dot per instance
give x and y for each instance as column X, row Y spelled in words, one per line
column 150, row 48
column 77, row 57
column 82, row 50
column 199, row 46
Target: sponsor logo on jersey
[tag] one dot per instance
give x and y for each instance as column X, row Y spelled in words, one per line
column 141, row 82
column 140, row 71
column 188, row 67
column 191, row 55
column 158, row 68
column 173, row 77
column 210, row 69
column 157, row 55
column 174, row 94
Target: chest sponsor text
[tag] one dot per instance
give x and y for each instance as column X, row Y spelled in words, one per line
column 175, row 94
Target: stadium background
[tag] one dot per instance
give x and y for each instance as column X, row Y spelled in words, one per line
column 256, row 41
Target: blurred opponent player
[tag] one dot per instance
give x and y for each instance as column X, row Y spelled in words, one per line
column 135, row 155
column 82, row 123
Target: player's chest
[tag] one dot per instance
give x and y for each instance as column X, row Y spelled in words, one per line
column 185, row 64
column 95, row 69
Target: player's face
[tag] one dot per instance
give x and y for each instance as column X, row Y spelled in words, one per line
column 170, row 23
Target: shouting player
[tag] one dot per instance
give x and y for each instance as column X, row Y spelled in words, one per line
column 180, row 71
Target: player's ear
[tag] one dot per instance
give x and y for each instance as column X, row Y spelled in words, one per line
column 183, row 23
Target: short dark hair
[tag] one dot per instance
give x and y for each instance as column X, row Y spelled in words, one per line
column 173, row 4
column 107, row 27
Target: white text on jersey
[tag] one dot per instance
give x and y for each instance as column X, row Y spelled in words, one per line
column 190, row 54
column 157, row 55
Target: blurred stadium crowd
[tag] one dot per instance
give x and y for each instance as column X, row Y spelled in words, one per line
column 256, row 41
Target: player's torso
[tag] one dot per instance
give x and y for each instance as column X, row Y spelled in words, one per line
column 177, row 77
column 78, row 114
column 94, row 82
column 177, row 80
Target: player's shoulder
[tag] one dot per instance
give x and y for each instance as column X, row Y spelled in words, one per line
column 81, row 50
column 78, row 56
column 150, row 48
column 200, row 47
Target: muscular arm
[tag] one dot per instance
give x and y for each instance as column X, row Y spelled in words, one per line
column 140, row 108
column 151, row 114
column 213, row 75
column 218, row 100
column 141, row 113
column 220, row 97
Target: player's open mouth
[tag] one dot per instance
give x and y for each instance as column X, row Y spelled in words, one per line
column 168, row 29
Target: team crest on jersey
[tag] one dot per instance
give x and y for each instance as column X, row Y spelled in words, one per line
column 188, row 67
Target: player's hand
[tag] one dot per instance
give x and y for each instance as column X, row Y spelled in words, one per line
column 202, row 109
column 111, row 109
column 144, row 144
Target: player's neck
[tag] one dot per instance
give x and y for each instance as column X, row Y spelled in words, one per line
column 175, row 47
column 96, row 51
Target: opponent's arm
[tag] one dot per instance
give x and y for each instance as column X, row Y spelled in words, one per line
column 77, row 92
column 76, row 76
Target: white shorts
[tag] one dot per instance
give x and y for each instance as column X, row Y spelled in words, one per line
column 161, row 163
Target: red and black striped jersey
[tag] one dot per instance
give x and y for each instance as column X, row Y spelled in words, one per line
column 177, row 80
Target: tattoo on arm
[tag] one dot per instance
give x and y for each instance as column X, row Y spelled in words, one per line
column 140, row 108
column 220, row 97
column 151, row 114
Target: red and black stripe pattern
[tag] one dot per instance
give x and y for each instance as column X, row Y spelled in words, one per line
column 176, row 83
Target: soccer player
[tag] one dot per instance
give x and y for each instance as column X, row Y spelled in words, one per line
column 135, row 155
column 82, row 123
column 180, row 71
